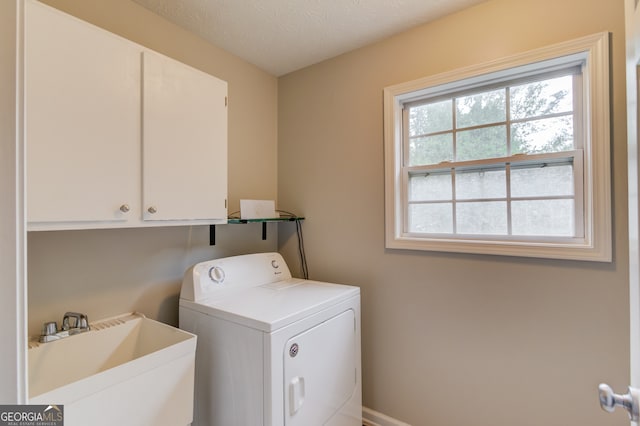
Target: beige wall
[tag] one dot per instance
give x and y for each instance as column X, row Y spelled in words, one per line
column 453, row 339
column 107, row 272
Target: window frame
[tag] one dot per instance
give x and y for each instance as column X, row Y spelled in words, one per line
column 592, row 52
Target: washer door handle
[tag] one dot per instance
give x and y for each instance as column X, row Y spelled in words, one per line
column 296, row 394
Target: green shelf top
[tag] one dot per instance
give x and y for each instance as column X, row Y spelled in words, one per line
column 267, row 219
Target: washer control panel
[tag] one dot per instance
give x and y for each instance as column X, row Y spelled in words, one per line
column 218, row 275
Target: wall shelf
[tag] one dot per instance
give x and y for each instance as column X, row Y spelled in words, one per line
column 212, row 228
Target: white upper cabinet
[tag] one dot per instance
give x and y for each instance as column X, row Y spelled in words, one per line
column 82, row 131
column 117, row 135
column 184, row 141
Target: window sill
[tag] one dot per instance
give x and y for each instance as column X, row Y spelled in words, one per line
column 582, row 251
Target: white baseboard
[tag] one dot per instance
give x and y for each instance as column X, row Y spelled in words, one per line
column 373, row 418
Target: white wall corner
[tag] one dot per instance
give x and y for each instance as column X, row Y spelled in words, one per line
column 373, row 418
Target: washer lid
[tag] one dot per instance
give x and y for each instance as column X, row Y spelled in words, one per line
column 274, row 305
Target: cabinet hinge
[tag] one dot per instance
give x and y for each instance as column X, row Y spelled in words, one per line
column 226, row 101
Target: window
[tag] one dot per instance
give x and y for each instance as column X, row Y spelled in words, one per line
column 510, row 157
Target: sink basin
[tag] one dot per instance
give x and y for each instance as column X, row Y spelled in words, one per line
column 126, row 370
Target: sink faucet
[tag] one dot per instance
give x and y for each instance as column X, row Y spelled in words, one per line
column 72, row 323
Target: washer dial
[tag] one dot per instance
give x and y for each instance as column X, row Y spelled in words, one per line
column 216, row 274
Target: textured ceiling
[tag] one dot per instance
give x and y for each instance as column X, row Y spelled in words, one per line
column 281, row 36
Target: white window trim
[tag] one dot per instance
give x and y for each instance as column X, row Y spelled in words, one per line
column 596, row 244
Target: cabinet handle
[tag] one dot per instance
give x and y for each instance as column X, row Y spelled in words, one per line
column 124, row 208
column 152, row 210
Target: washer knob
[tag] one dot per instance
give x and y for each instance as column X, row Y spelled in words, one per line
column 216, row 274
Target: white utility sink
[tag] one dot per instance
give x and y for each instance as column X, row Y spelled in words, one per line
column 126, row 370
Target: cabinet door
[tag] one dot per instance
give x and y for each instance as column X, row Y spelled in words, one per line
column 184, row 142
column 82, row 113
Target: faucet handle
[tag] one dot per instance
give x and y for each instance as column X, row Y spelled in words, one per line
column 80, row 321
column 49, row 332
column 49, row 328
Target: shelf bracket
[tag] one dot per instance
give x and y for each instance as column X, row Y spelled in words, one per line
column 212, row 228
column 212, row 233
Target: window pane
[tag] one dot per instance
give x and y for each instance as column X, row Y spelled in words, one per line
column 543, row 217
column 481, row 108
column 430, row 118
column 477, row 184
column 542, row 97
column 542, row 181
column 431, row 149
column 431, row 218
column 488, row 142
column 482, row 218
column 430, row 187
column 540, row 136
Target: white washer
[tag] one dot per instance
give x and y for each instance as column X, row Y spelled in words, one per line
column 272, row 350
